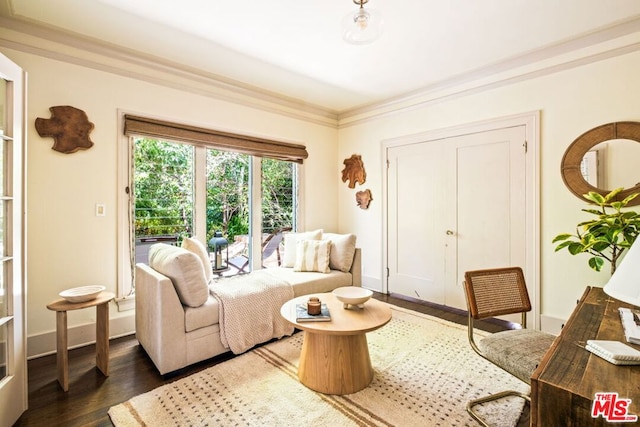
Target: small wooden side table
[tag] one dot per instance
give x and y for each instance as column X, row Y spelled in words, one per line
column 61, row 306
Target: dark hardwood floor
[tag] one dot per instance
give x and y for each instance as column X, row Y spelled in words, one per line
column 91, row 395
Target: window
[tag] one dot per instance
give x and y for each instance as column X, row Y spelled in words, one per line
column 227, row 193
column 163, row 174
column 186, row 181
column 278, row 194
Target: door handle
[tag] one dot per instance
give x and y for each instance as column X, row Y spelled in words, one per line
column 450, row 233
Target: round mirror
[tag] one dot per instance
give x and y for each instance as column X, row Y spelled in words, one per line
column 602, row 159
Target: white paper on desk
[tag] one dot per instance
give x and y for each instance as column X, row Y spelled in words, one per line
column 614, row 351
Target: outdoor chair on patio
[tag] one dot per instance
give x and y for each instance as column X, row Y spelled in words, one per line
column 270, row 245
column 497, row 292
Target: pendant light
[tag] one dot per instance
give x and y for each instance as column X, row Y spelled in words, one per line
column 362, row 26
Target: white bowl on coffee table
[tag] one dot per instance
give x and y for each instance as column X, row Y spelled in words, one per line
column 352, row 295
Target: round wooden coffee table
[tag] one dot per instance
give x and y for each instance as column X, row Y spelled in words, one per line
column 335, row 355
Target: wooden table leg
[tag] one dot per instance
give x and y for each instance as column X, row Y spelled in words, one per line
column 102, row 338
column 335, row 364
column 62, row 356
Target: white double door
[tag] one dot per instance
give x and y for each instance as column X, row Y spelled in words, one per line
column 454, row 204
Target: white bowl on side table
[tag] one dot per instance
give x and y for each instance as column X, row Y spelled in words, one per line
column 352, row 295
column 82, row 294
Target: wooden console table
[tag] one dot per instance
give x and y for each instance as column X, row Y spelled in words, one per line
column 563, row 386
column 61, row 306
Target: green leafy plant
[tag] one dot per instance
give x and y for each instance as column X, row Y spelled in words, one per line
column 608, row 235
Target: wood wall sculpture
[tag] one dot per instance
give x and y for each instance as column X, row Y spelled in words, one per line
column 363, row 198
column 69, row 127
column 354, row 171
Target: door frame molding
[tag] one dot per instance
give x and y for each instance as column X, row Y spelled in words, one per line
column 14, row 380
column 531, row 122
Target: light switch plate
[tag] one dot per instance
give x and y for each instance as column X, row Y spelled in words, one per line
column 101, row 209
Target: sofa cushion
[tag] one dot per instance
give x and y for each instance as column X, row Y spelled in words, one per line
column 199, row 317
column 312, row 255
column 343, row 248
column 195, row 246
column 290, row 240
column 185, row 271
column 305, row 283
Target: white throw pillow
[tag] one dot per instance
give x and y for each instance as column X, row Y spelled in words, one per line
column 290, row 240
column 196, row 246
column 343, row 248
column 185, row 270
column 312, row 255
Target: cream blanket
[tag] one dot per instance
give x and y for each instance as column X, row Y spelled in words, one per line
column 250, row 309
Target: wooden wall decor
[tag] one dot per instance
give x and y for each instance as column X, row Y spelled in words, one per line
column 69, row 127
column 363, row 198
column 354, row 171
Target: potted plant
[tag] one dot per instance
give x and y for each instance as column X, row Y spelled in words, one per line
column 606, row 236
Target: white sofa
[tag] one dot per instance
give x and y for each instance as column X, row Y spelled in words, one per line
column 175, row 334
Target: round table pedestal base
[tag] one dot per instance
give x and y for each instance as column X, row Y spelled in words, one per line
column 335, row 364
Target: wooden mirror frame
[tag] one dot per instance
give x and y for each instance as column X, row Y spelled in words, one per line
column 570, row 168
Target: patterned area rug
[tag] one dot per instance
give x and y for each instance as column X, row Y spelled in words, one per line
column 425, row 372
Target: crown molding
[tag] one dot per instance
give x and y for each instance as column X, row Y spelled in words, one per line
column 618, row 39
column 72, row 48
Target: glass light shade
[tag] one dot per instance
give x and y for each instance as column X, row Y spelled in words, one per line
column 625, row 282
column 362, row 26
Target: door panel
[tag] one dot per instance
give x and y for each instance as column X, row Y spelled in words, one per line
column 13, row 356
column 454, row 204
column 415, row 250
column 486, row 189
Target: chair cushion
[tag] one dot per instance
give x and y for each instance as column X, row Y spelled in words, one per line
column 290, row 240
column 185, row 270
column 312, row 255
column 516, row 351
column 195, row 246
column 343, row 247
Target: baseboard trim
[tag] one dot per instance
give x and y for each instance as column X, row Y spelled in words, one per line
column 78, row 336
column 372, row 283
column 551, row 325
column 126, row 303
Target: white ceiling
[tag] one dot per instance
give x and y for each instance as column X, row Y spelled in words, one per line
column 294, row 48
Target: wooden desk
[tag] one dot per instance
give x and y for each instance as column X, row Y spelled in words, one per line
column 335, row 355
column 563, row 386
column 61, row 306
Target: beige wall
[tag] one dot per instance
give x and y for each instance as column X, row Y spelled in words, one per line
column 68, row 245
column 570, row 102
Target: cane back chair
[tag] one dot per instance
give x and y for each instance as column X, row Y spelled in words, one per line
column 497, row 292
